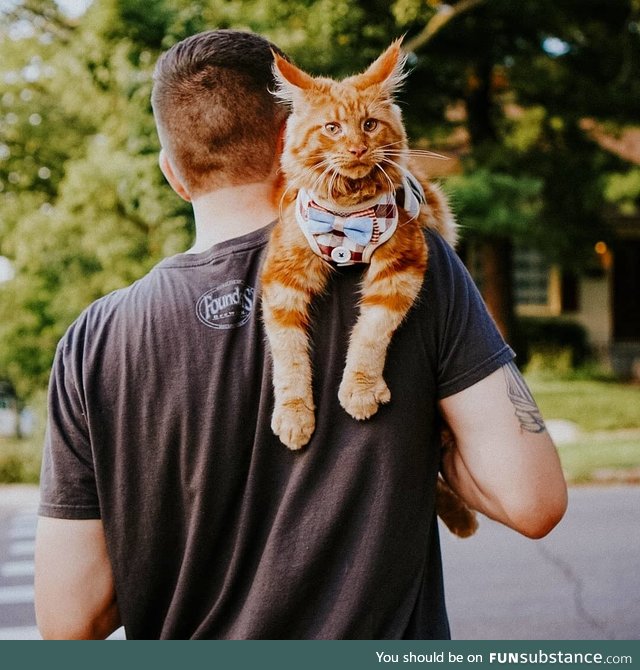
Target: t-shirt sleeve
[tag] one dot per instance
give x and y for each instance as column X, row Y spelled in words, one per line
column 468, row 343
column 67, row 481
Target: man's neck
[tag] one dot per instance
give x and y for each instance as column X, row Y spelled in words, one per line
column 231, row 212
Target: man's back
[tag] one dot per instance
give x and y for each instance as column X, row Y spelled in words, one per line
column 214, row 529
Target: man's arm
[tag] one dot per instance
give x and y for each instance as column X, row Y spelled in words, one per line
column 505, row 464
column 74, row 594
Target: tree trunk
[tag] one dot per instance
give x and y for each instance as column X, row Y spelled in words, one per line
column 495, row 255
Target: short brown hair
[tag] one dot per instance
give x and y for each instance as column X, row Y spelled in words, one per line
column 216, row 117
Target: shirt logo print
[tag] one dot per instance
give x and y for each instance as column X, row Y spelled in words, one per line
column 229, row 305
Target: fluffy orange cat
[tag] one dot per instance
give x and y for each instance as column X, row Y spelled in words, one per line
column 349, row 198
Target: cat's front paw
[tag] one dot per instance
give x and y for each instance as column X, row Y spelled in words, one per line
column 293, row 422
column 360, row 395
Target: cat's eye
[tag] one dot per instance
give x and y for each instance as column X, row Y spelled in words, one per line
column 369, row 125
column 333, row 128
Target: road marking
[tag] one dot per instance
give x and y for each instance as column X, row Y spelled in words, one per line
column 20, row 633
column 24, row 523
column 14, row 595
column 22, row 548
column 25, row 517
column 17, row 569
column 22, row 532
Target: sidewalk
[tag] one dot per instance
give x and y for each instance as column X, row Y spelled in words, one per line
column 580, row 582
column 18, row 496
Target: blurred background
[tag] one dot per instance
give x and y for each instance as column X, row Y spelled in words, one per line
column 535, row 104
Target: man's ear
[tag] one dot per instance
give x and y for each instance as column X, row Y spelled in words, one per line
column 170, row 175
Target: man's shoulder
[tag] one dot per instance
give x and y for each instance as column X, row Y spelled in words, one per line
column 439, row 249
column 98, row 314
column 445, row 269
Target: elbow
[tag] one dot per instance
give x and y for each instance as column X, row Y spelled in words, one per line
column 537, row 517
column 70, row 630
column 60, row 625
column 63, row 629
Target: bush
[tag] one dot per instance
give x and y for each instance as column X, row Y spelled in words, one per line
column 552, row 344
column 19, row 461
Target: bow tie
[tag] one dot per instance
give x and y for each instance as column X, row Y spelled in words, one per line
column 357, row 226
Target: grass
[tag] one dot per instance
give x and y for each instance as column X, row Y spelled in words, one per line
column 608, row 416
column 20, row 460
column 602, row 458
column 593, row 405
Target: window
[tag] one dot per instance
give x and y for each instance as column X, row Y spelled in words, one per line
column 537, row 284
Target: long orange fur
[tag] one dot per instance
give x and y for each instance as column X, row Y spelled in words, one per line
column 352, row 167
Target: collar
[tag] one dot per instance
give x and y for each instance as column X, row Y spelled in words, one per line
column 351, row 235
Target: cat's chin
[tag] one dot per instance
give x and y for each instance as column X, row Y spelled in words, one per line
column 358, row 171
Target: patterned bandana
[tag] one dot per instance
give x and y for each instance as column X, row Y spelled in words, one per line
column 349, row 237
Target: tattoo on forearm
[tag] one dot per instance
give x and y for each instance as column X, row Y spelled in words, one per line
column 526, row 409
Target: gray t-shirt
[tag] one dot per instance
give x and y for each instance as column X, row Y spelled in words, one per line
column 159, row 424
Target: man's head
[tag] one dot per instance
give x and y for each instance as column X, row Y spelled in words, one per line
column 217, row 120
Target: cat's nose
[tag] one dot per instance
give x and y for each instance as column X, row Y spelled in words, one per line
column 358, row 151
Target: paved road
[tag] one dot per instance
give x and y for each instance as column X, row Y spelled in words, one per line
column 580, row 582
column 17, row 531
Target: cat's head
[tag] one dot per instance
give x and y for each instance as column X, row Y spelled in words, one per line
column 344, row 139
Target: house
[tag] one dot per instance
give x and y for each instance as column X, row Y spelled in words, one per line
column 605, row 297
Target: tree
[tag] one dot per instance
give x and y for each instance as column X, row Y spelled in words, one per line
column 505, row 85
column 526, row 74
column 85, row 209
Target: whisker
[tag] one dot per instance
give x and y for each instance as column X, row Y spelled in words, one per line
column 418, row 152
column 334, row 177
column 388, row 178
column 388, row 160
column 382, row 146
column 392, row 162
column 321, row 176
column 415, row 216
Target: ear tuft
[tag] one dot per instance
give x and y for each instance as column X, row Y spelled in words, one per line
column 289, row 79
column 387, row 70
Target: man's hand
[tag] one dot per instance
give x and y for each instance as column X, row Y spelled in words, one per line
column 504, row 463
column 74, row 593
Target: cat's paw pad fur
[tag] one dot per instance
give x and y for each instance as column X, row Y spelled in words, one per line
column 293, row 422
column 360, row 395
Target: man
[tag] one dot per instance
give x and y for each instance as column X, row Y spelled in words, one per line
column 169, row 506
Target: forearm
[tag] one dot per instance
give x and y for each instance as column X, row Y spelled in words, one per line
column 504, row 464
column 457, row 475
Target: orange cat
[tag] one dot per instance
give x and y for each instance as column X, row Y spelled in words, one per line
column 349, row 199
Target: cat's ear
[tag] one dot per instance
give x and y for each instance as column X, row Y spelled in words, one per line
column 387, row 71
column 290, row 79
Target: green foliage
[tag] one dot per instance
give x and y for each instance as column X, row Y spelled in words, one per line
column 19, row 462
column 623, row 189
column 21, row 458
column 494, row 203
column 553, row 340
column 85, row 209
